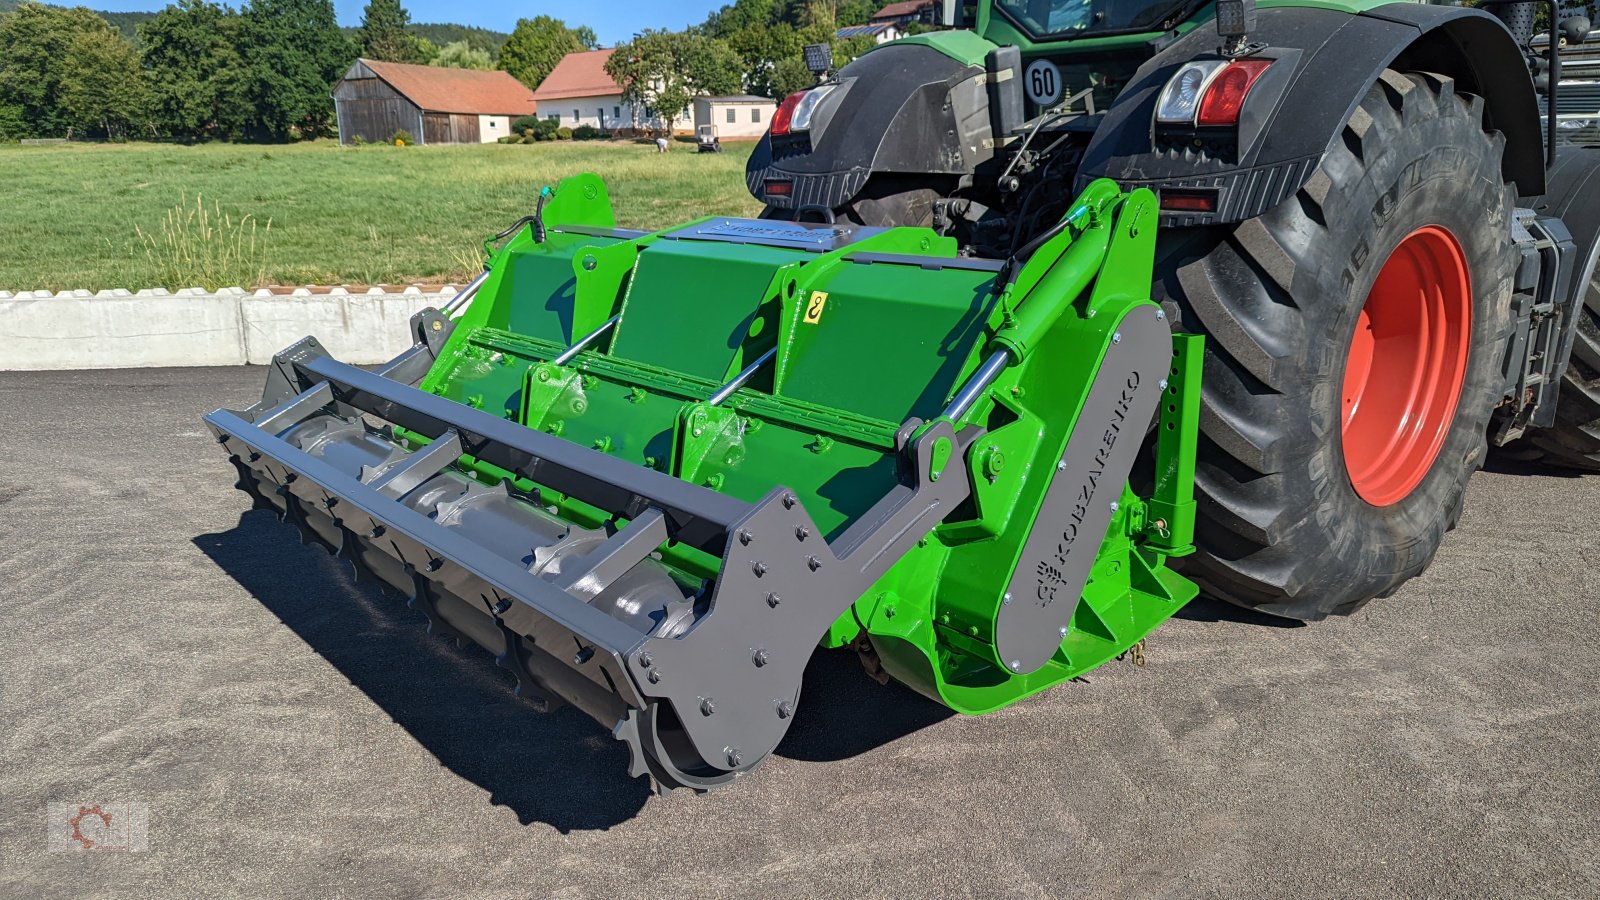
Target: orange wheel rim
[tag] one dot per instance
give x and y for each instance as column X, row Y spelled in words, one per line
column 1406, row 365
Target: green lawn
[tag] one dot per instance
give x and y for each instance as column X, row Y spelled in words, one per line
column 73, row 214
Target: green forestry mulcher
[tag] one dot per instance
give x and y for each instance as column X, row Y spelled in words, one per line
column 942, row 403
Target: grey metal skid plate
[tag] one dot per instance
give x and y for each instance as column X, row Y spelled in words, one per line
column 1054, row 566
column 780, row 587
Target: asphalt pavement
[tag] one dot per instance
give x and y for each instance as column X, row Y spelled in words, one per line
column 290, row 733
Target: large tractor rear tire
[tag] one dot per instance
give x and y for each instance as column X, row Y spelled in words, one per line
column 1355, row 336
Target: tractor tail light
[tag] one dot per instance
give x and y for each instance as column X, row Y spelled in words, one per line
column 782, row 119
column 1224, row 97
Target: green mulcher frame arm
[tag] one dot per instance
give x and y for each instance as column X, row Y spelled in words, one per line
column 855, row 351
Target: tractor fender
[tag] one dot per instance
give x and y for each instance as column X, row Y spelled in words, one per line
column 911, row 108
column 1325, row 60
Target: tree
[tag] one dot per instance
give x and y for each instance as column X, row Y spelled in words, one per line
column 740, row 15
column 769, row 36
column 537, row 44
column 194, row 72
column 35, row 43
column 384, row 36
column 462, row 55
column 854, row 12
column 103, row 90
column 294, row 53
column 666, row 70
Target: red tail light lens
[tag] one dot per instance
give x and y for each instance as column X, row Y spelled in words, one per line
column 1225, row 96
column 1188, row 201
column 782, row 119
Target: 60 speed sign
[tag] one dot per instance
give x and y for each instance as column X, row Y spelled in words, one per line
column 1043, row 82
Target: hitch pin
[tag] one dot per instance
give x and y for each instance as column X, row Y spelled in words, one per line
column 738, row 381
column 567, row 354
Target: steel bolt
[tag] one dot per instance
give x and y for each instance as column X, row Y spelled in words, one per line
column 654, row 676
column 438, row 325
column 745, row 536
column 707, row 707
column 583, row 656
column 785, row 709
column 1114, row 506
column 1162, row 384
column 1063, row 630
column 646, row 660
column 802, row 532
column 788, row 501
column 760, row 568
column 734, row 757
column 1061, row 466
column 814, row 563
column 760, row 657
column 376, row 532
column 1016, row 665
column 1116, row 337
column 1006, row 600
column 773, row 600
column 434, row 565
column 1161, row 315
column 502, row 606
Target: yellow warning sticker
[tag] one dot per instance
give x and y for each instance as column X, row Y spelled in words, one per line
column 814, row 306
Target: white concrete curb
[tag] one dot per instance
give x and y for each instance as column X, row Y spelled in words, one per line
column 194, row 327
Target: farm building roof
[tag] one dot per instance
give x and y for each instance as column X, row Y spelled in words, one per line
column 580, row 74
column 439, row 89
column 872, row 30
column 901, row 10
column 740, row 98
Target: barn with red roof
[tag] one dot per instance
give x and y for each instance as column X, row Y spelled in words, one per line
column 433, row 104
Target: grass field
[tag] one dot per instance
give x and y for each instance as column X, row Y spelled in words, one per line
column 99, row 216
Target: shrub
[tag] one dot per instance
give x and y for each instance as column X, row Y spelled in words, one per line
column 587, row 133
column 401, row 138
column 524, row 123
column 563, row 134
column 510, row 139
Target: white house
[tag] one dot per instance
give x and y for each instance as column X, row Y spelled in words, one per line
column 579, row 92
column 732, row 118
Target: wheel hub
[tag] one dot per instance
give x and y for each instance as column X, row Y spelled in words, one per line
column 1406, row 365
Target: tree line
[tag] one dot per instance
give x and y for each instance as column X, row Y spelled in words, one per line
column 199, row 70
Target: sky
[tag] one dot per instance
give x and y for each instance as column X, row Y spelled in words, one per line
column 613, row 20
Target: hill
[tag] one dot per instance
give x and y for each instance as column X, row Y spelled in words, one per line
column 440, row 33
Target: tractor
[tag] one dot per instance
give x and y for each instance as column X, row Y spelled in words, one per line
column 1049, row 323
column 1391, row 259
